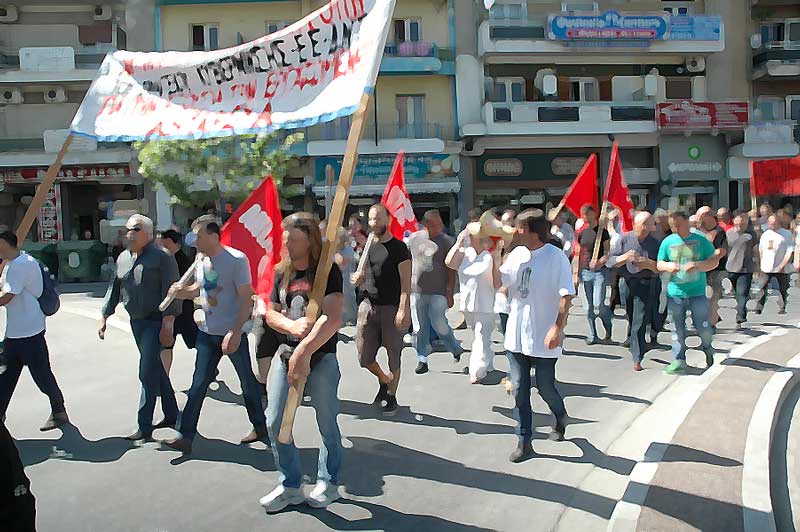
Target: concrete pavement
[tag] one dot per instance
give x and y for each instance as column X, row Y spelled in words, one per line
column 439, row 464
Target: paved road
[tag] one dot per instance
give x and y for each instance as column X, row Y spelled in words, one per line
column 439, row 465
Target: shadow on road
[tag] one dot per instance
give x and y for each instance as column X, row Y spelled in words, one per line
column 214, row 450
column 598, row 356
column 74, row 447
column 406, row 416
column 757, row 365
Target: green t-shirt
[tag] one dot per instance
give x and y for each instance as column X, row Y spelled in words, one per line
column 694, row 248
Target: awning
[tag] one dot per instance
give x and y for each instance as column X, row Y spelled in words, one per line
column 430, row 187
column 27, row 158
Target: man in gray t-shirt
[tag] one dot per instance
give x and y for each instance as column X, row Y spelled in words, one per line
column 223, row 283
column 742, row 249
column 432, row 290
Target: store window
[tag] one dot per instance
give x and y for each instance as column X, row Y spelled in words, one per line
column 679, row 88
column 205, row 37
column 410, row 115
column 407, row 30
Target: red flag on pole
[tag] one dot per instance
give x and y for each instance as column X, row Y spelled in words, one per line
column 583, row 190
column 617, row 191
column 256, row 229
column 397, row 202
column 775, row 177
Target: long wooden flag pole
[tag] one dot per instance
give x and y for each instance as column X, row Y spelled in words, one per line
column 335, row 218
column 41, row 192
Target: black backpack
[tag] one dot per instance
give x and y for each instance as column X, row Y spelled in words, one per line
column 49, row 301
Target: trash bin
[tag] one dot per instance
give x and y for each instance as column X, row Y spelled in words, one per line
column 44, row 253
column 80, row 260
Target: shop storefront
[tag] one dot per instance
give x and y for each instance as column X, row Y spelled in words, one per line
column 432, row 181
column 693, row 172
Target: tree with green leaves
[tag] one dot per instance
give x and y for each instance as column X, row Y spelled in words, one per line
column 196, row 173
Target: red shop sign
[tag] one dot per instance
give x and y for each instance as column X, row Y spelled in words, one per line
column 687, row 115
column 67, row 173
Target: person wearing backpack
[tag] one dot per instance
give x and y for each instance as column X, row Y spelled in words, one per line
column 21, row 287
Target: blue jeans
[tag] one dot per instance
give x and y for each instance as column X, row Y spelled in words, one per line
column 430, row 313
column 209, row 353
column 700, row 308
column 154, row 379
column 31, row 352
column 322, row 385
column 594, row 288
column 521, row 366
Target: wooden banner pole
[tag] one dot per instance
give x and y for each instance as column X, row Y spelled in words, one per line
column 41, row 192
column 598, row 239
column 295, row 394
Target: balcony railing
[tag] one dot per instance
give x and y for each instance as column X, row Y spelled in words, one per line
column 339, row 131
column 418, row 49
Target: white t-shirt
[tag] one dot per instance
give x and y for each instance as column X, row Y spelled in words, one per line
column 477, row 284
column 23, row 278
column 536, row 281
column 773, row 247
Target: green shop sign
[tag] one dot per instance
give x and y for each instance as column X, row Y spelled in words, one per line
column 530, row 166
column 376, row 168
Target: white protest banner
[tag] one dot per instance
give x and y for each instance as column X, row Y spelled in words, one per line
column 312, row 71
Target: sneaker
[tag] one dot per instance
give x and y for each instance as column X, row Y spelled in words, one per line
column 281, row 497
column 391, row 406
column 457, row 356
column 637, row 366
column 677, row 367
column 709, row 359
column 557, row 434
column 323, row 494
column 523, row 451
column 254, row 436
column 626, row 344
column 383, row 393
column 179, row 444
column 782, row 310
column 422, row 368
column 591, row 341
column 607, row 338
column 139, row 436
column 57, row 419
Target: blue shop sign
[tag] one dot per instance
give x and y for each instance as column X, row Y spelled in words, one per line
column 611, row 25
column 695, row 28
column 377, row 168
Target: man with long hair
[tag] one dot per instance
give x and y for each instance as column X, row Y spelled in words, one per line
column 385, row 313
column 307, row 353
column 223, row 282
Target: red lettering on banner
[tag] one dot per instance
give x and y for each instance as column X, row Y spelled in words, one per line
column 157, row 131
column 127, row 64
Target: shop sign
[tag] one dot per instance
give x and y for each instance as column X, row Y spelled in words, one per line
column 502, row 167
column 609, row 26
column 776, row 132
column 377, row 168
column 695, row 28
column 676, row 168
column 699, row 157
column 50, row 230
column 686, row 115
column 55, row 138
column 569, row 166
column 68, row 173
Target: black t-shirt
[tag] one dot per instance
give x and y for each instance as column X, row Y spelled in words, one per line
column 586, row 242
column 382, row 285
column 293, row 302
column 719, row 239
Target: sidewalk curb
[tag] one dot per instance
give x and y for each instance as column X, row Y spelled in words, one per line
column 757, row 509
column 658, row 424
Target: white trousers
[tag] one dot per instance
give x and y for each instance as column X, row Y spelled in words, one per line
column 482, row 356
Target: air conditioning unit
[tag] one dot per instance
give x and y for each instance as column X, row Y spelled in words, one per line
column 8, row 13
column 696, row 64
column 102, row 12
column 55, row 95
column 10, row 96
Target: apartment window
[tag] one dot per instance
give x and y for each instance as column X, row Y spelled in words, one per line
column 407, row 30
column 583, row 90
column 679, row 9
column 272, row 26
column 508, row 90
column 410, row 115
column 205, row 37
column 773, row 33
column 793, row 108
column 793, row 31
column 509, row 10
column 679, row 88
column 336, row 129
column 771, row 107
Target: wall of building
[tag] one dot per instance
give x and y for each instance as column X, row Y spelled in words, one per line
column 728, row 72
column 438, row 98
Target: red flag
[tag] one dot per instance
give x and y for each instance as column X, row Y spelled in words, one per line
column 583, row 190
column 775, row 177
column 396, row 200
column 617, row 191
column 256, row 229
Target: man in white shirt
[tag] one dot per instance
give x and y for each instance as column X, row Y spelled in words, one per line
column 540, row 289
column 562, row 231
column 24, row 344
column 775, row 249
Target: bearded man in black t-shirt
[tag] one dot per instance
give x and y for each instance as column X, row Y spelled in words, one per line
column 306, row 352
column 385, row 311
